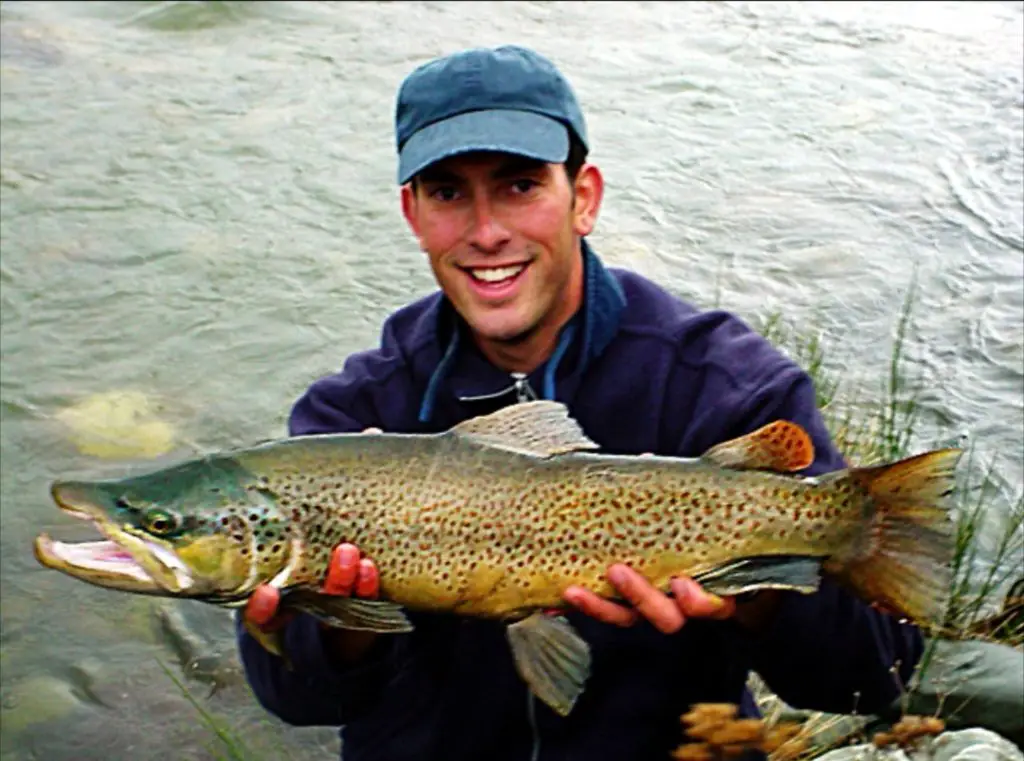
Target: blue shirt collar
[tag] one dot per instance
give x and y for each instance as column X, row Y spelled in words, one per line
column 469, row 375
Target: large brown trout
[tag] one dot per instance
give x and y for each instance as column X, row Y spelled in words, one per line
column 497, row 516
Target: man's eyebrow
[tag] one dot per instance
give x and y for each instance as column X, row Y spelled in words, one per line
column 437, row 176
column 516, row 166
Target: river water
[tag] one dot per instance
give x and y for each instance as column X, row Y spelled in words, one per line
column 198, row 212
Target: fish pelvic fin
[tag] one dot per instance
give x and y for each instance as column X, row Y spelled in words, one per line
column 801, row 574
column 780, row 446
column 540, row 428
column 271, row 641
column 551, row 658
column 905, row 558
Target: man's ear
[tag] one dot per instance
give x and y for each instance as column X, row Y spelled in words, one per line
column 409, row 201
column 589, row 187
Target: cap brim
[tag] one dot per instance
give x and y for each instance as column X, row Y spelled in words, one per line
column 523, row 133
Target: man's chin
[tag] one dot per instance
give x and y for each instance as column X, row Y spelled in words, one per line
column 511, row 333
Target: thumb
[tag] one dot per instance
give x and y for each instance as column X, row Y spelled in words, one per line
column 261, row 607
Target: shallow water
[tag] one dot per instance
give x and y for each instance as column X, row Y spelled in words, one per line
column 198, row 206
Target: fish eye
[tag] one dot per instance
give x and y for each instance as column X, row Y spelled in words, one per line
column 161, row 522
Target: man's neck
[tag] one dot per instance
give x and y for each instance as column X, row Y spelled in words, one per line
column 523, row 357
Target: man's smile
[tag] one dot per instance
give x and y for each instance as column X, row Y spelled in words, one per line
column 496, row 283
column 495, row 274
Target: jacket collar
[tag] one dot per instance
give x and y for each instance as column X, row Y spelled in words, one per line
column 466, row 374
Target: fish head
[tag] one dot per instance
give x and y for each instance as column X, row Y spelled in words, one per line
column 207, row 529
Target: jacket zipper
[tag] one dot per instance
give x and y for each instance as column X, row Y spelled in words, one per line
column 520, row 384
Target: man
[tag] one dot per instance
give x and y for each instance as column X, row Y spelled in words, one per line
column 492, row 150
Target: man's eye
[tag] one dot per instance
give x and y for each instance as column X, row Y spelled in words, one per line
column 444, row 194
column 524, row 185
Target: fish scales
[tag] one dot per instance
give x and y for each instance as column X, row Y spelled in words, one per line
column 450, row 524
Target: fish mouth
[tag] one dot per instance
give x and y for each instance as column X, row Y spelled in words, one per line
column 127, row 559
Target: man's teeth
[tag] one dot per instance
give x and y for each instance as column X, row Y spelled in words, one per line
column 496, row 274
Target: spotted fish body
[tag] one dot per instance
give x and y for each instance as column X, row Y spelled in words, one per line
column 479, row 530
column 496, row 517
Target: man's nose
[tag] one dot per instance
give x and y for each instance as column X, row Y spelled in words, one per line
column 488, row 235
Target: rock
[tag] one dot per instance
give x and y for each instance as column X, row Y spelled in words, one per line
column 963, row 745
column 36, row 700
column 975, row 745
column 969, row 684
column 972, row 684
column 200, row 659
column 118, row 424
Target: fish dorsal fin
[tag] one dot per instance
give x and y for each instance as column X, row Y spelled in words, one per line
column 540, row 428
column 781, row 446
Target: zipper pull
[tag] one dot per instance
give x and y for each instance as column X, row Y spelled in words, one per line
column 524, row 393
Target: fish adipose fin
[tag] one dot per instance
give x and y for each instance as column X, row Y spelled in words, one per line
column 539, row 429
column 904, row 561
column 780, row 446
column 551, row 658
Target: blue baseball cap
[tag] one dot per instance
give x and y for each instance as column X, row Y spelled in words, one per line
column 508, row 99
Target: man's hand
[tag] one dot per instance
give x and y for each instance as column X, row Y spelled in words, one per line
column 347, row 575
column 667, row 614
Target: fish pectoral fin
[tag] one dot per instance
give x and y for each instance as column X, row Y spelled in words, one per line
column 780, row 446
column 379, row 616
column 801, row 574
column 541, row 428
column 551, row 658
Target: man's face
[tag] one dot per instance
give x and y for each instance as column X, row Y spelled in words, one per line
column 502, row 234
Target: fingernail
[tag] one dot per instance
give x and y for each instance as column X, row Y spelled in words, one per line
column 616, row 575
column 715, row 600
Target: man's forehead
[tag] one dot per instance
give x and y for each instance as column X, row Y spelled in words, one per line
column 489, row 162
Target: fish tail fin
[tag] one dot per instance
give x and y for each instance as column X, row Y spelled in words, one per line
column 905, row 556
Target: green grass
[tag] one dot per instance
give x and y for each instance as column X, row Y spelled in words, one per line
column 883, row 424
column 871, row 428
column 226, row 745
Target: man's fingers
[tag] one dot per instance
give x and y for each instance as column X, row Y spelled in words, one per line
column 367, row 581
column 651, row 603
column 262, row 605
column 695, row 602
column 344, row 568
column 597, row 607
